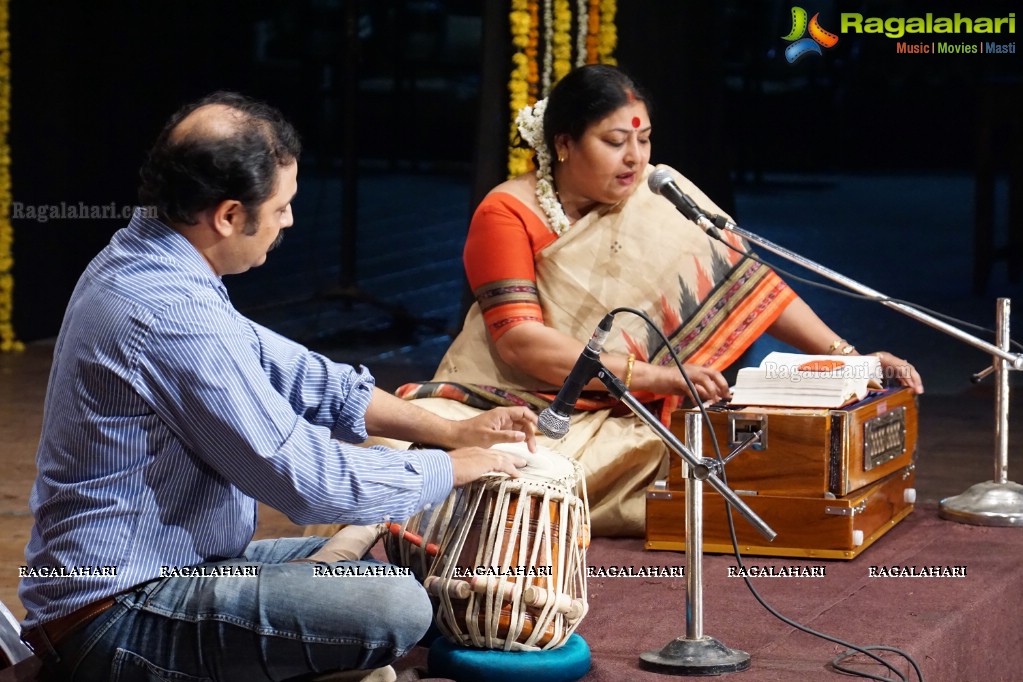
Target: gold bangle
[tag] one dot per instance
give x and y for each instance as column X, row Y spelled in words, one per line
column 835, row 345
column 628, row 369
column 848, row 350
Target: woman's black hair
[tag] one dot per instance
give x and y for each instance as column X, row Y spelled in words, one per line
column 185, row 174
column 584, row 96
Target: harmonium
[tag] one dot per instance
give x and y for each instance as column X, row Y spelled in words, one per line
column 830, row 482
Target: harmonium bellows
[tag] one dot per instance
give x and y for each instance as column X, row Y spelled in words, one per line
column 830, row 482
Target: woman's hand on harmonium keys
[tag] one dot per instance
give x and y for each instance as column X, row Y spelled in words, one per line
column 900, row 370
column 469, row 464
column 499, row 425
column 711, row 386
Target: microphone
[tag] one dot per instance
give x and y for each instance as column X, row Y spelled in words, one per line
column 661, row 182
column 553, row 421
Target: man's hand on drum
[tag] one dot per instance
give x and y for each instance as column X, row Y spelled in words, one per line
column 471, row 463
column 499, row 425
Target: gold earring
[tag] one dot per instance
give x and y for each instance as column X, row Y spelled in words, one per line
column 561, row 159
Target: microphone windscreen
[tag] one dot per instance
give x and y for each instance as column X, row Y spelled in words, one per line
column 552, row 424
column 658, row 179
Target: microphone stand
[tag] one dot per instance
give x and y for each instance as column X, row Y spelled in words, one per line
column 695, row 653
column 998, row 502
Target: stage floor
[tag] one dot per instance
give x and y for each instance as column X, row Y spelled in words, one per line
column 961, row 625
column 957, row 628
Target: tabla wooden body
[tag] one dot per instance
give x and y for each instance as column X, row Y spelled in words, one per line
column 510, row 569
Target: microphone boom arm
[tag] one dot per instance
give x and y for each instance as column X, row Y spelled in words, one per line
column 617, row 389
column 998, row 502
column 1014, row 359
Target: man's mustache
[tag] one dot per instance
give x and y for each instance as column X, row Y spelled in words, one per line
column 277, row 242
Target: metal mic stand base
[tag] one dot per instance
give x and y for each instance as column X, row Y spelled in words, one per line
column 998, row 502
column 986, row 504
column 705, row 656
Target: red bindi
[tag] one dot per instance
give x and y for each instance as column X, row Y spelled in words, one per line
column 635, row 121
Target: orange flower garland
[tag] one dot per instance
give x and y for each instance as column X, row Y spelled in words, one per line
column 593, row 32
column 533, row 52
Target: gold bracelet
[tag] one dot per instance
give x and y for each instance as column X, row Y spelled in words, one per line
column 835, row 345
column 848, row 350
column 628, row 369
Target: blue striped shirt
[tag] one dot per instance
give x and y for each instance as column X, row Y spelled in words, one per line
column 168, row 414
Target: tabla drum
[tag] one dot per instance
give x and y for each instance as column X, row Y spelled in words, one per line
column 504, row 559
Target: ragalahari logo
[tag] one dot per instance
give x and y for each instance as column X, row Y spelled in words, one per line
column 801, row 46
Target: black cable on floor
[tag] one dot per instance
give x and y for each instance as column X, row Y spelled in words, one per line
column 852, row 648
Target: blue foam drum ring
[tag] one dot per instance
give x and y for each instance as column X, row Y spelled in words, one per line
column 567, row 663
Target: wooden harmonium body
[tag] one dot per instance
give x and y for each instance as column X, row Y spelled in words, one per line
column 830, row 482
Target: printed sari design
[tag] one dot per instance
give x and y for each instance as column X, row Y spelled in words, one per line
column 723, row 300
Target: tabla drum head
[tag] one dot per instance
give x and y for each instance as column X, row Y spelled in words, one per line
column 543, row 465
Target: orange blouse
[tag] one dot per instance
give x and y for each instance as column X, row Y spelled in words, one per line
column 500, row 251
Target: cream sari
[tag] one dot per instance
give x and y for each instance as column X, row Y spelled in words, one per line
column 710, row 301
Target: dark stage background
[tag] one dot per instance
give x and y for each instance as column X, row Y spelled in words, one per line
column 407, row 81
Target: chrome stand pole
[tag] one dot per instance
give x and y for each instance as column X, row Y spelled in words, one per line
column 694, row 654
column 998, row 502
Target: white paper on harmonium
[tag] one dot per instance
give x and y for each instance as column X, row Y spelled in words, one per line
column 799, row 380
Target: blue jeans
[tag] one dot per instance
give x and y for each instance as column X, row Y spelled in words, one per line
column 288, row 622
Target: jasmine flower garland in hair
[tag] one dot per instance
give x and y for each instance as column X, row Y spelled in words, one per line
column 530, row 125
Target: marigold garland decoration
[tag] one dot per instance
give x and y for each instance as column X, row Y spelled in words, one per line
column 592, row 31
column 607, row 39
column 562, row 39
column 534, row 71
column 533, row 52
column 8, row 342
